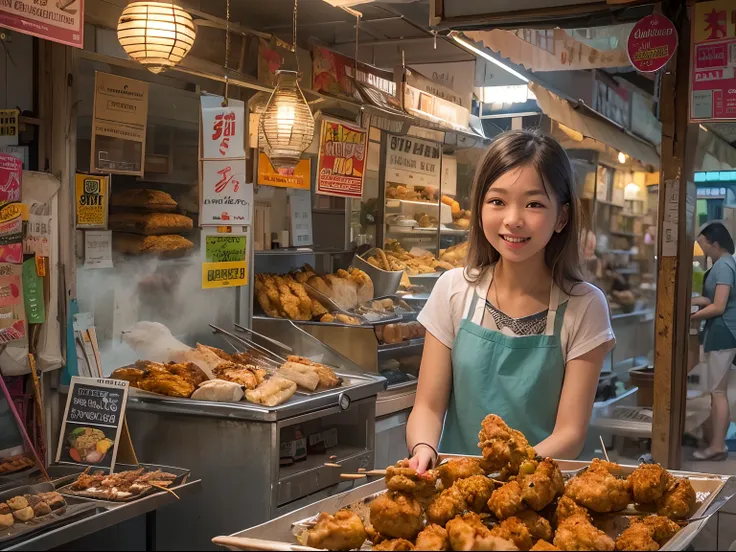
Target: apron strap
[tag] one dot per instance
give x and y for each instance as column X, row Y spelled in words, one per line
column 554, row 303
column 473, row 303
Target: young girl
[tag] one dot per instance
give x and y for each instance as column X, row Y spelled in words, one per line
column 517, row 332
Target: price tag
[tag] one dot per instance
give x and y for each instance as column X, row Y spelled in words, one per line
column 300, row 214
column 92, row 423
column 98, row 249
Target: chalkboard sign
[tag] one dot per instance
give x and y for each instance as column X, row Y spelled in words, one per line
column 93, row 420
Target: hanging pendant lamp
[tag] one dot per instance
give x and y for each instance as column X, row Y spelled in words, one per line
column 156, row 34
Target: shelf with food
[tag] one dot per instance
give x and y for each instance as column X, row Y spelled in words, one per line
column 404, row 347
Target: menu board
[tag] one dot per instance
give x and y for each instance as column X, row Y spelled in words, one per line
column 225, row 257
column 413, row 161
column 92, row 423
column 342, row 156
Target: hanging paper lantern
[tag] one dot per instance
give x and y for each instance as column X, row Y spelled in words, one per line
column 157, row 35
column 287, row 123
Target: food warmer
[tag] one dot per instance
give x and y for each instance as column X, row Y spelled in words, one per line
column 246, row 453
column 713, row 492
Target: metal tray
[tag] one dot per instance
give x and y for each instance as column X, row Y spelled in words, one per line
column 19, row 529
column 712, row 491
column 182, row 475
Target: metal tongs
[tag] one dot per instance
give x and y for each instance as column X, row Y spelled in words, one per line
column 251, row 347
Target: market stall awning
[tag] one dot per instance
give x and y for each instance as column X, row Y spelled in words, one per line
column 592, row 126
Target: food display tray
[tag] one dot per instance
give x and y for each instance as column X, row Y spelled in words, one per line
column 19, row 530
column 182, row 475
column 712, row 492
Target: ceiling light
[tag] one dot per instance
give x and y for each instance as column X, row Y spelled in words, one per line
column 621, row 157
column 465, row 44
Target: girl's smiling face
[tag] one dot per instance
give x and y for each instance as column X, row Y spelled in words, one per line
column 520, row 215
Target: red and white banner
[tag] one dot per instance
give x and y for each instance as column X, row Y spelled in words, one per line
column 226, row 198
column 223, row 128
column 56, row 20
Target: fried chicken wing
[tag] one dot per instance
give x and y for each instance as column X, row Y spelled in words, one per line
column 404, row 479
column 514, row 530
column 447, row 505
column 567, row 507
column 506, row 501
column 394, row 544
column 159, row 380
column 469, row 533
column 542, row 546
column 433, row 537
column 458, row 468
column 648, row 533
column 598, row 489
column 543, row 485
column 343, row 531
column 248, row 376
column 476, row 491
column 679, row 501
column 539, row 528
column 396, row 515
column 578, row 533
column 503, row 448
column 649, row 482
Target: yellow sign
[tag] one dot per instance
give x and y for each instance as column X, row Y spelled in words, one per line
column 221, row 275
column 9, row 126
column 12, row 210
column 714, row 20
column 300, row 178
column 92, row 195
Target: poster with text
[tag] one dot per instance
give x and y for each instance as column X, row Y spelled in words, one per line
column 224, row 257
column 223, row 128
column 11, row 173
column 299, row 177
column 12, row 310
column 226, row 197
column 412, row 161
column 92, row 198
column 60, row 21
column 342, row 155
column 11, row 233
column 713, row 61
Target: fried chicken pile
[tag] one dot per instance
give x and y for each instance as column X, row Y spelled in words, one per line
column 504, row 449
column 648, row 533
column 343, row 531
column 599, row 489
column 471, row 493
column 433, row 537
column 459, row 468
column 469, row 533
column 536, row 486
column 578, row 533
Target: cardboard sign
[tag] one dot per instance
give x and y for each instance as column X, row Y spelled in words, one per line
column 223, row 128
column 93, row 421
column 220, row 275
column 98, row 249
column 713, row 62
column 92, row 194
column 652, row 42
column 413, row 161
column 11, row 174
column 298, row 177
column 224, row 248
column 11, row 233
column 59, row 21
column 119, row 125
column 226, row 197
column 33, row 293
column 300, row 216
column 342, row 155
column 12, row 311
column 9, row 119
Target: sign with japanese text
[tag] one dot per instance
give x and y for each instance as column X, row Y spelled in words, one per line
column 11, row 174
column 119, row 125
column 93, row 422
column 299, row 177
column 60, row 21
column 342, row 155
column 226, row 197
column 334, row 74
column 9, row 127
column 12, row 311
column 713, row 61
column 413, row 161
column 92, row 193
column 11, row 233
column 652, row 42
column 223, row 128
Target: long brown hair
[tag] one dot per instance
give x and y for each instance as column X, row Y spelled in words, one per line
column 508, row 151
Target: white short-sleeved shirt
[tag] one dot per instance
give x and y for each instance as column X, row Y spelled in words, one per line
column 587, row 322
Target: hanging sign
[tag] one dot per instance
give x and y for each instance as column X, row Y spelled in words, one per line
column 713, row 62
column 33, row 293
column 12, row 311
column 92, row 193
column 652, row 43
column 298, row 177
column 341, row 164
column 334, row 74
column 9, row 127
column 93, row 421
column 223, row 128
column 413, row 161
column 226, row 197
column 59, row 21
column 421, row 99
column 11, row 233
column 11, row 174
column 225, row 258
column 119, row 125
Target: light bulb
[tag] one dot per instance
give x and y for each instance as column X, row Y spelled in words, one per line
column 621, row 157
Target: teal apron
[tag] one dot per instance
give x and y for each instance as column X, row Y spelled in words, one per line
column 517, row 378
column 715, row 335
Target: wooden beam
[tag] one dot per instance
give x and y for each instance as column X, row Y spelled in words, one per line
column 675, row 231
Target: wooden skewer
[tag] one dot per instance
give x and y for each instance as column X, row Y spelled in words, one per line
column 332, row 465
column 352, row 475
column 361, row 470
column 333, row 457
column 376, row 472
column 244, row 543
column 164, row 489
column 605, row 452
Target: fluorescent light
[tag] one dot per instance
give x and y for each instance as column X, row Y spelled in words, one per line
column 484, row 55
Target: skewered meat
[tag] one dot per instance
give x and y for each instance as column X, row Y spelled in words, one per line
column 343, row 531
column 649, row 482
column 468, row 533
column 458, row 468
column 503, row 448
column 120, row 485
column 540, row 487
column 396, row 515
column 578, row 533
column 678, row 502
column 404, row 479
column 394, row 545
column 248, row 376
column 598, row 489
column 514, row 530
column 272, row 392
column 648, row 533
column 16, row 463
column 433, row 537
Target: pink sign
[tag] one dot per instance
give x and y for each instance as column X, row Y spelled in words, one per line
column 652, row 42
column 59, row 20
column 11, row 171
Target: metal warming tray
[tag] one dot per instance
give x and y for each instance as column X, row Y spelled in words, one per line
column 713, row 491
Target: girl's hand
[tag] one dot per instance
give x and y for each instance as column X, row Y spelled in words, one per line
column 422, row 460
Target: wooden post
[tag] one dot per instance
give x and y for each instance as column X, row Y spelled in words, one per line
column 675, row 234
